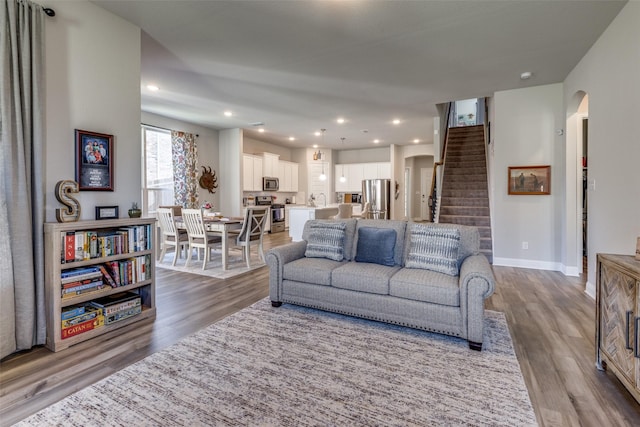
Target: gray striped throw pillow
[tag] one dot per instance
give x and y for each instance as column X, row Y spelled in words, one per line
column 434, row 248
column 326, row 240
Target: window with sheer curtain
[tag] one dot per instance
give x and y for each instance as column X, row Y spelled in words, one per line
column 158, row 179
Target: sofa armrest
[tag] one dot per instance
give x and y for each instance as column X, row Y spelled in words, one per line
column 477, row 267
column 477, row 283
column 276, row 259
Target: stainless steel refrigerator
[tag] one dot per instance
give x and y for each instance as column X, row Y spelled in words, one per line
column 377, row 192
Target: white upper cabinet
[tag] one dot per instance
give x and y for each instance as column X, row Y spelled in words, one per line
column 251, row 173
column 354, row 173
column 270, row 164
column 288, row 176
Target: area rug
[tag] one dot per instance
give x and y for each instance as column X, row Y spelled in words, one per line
column 293, row 366
column 235, row 266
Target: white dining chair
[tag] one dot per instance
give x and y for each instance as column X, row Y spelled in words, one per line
column 366, row 211
column 345, row 211
column 198, row 236
column 252, row 230
column 170, row 235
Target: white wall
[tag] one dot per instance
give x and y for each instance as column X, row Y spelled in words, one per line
column 254, row 146
column 230, row 150
column 208, row 155
column 365, row 155
column 92, row 83
column 524, row 134
column 608, row 73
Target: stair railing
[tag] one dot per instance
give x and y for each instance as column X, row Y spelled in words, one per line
column 433, row 196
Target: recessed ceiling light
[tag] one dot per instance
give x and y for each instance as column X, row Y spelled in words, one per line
column 340, row 120
column 291, row 138
column 376, row 141
column 415, row 141
column 153, row 88
column 526, row 75
column 317, row 133
column 396, row 121
column 261, row 130
column 315, row 145
column 228, row 113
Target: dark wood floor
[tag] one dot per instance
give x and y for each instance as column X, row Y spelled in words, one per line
column 550, row 318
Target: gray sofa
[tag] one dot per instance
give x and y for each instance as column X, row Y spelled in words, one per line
column 403, row 291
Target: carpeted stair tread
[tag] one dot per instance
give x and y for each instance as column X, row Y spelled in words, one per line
column 465, row 201
column 463, row 185
column 466, row 220
column 465, row 192
column 464, row 210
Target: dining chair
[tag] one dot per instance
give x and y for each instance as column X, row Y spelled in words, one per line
column 177, row 209
column 366, row 211
column 252, row 230
column 198, row 236
column 170, row 235
column 345, row 211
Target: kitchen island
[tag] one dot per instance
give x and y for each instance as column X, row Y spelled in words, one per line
column 298, row 215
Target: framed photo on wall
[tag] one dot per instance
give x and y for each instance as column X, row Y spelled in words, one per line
column 529, row 180
column 94, row 161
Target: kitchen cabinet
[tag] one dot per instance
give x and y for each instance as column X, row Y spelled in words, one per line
column 252, row 172
column 618, row 318
column 354, row 173
column 270, row 164
column 288, row 175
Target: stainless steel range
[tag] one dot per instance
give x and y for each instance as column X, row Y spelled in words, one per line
column 277, row 213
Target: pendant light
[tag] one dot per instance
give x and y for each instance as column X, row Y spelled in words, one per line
column 322, row 176
column 342, row 178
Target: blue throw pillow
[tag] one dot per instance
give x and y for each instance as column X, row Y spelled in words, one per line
column 434, row 248
column 326, row 240
column 376, row 245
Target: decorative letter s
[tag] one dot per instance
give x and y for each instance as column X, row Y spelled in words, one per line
column 63, row 194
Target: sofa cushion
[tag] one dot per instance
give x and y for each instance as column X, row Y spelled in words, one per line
column 469, row 239
column 376, row 245
column 434, row 248
column 310, row 270
column 425, row 285
column 398, row 226
column 363, row 277
column 326, row 240
column 349, row 233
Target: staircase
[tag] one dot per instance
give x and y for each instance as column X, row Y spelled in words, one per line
column 465, row 194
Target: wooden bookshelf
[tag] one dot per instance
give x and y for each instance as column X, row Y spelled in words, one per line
column 54, row 266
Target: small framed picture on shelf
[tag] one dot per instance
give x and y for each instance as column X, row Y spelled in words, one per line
column 529, row 180
column 94, row 161
column 107, row 212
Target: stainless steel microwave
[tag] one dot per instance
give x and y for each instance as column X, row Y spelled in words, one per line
column 270, row 183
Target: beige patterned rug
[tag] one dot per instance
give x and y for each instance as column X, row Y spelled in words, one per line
column 235, row 266
column 294, row 366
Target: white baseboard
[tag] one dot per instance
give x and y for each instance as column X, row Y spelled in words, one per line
column 537, row 265
column 590, row 290
column 527, row 263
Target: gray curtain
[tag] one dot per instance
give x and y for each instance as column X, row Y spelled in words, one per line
column 22, row 312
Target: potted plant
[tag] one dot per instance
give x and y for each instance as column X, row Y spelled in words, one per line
column 135, row 212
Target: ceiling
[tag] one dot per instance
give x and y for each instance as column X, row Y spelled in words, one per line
column 297, row 66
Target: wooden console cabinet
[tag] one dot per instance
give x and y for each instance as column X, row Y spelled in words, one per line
column 618, row 318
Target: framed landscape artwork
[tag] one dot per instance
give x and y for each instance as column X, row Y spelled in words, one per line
column 94, row 161
column 529, row 180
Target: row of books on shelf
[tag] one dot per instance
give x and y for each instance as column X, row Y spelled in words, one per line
column 85, row 317
column 76, row 281
column 84, row 245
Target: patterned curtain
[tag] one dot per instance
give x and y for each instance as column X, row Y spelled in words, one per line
column 184, row 151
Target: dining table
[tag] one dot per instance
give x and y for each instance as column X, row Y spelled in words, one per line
column 220, row 226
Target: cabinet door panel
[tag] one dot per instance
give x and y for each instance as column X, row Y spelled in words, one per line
column 618, row 312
